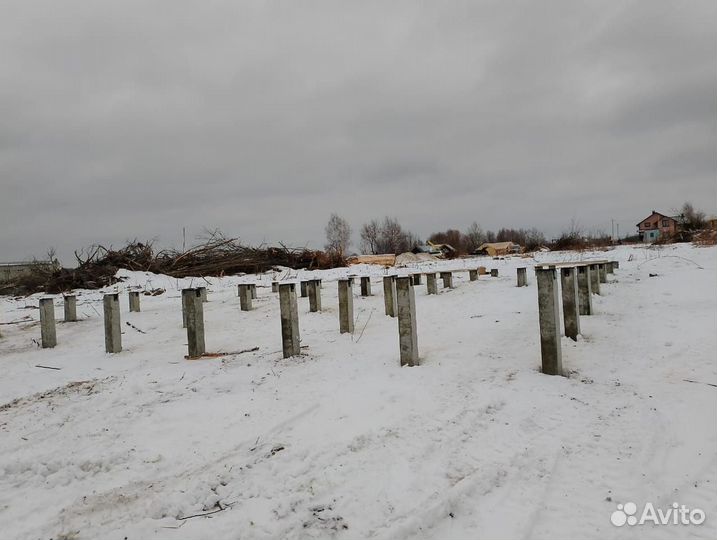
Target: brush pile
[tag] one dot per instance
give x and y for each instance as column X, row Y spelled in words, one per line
column 705, row 237
column 97, row 265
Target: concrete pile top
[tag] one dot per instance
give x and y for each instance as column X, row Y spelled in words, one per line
column 570, row 264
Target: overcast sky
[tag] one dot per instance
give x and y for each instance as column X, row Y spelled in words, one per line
column 128, row 119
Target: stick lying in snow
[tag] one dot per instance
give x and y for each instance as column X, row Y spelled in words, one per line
column 700, row 382
column 364, row 327
column 219, row 509
column 20, row 321
column 133, row 326
column 47, row 367
column 220, row 354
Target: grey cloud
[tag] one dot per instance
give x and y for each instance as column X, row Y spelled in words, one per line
column 137, row 119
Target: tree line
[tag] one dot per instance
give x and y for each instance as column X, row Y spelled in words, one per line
column 470, row 240
column 389, row 236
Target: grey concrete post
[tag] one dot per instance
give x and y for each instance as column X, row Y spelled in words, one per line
column 602, row 273
column 473, row 275
column 274, row 286
column 202, row 293
column 571, row 315
column 585, row 301
column 289, row 320
column 407, row 334
column 113, row 328
column 195, row 322
column 184, row 311
column 48, row 335
column 252, row 290
column 365, row 286
column 134, row 301
column 447, row 278
column 314, row 290
column 431, row 285
column 70, row 308
column 493, row 272
column 522, row 274
column 594, row 279
column 346, row 306
column 548, row 315
column 417, row 279
column 245, row 297
column 389, row 295
column 304, row 290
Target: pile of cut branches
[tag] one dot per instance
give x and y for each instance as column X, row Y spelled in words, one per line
column 218, row 256
column 705, row 237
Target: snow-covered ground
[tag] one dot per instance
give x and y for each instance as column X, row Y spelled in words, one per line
column 343, row 442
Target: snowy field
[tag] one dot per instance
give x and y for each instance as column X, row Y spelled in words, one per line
column 342, row 442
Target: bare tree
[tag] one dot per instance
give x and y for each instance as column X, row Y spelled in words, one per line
column 392, row 236
column 691, row 219
column 452, row 237
column 411, row 240
column 533, row 239
column 473, row 237
column 370, row 233
column 52, row 256
column 338, row 235
column 386, row 237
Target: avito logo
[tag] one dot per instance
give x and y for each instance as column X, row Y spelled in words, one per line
column 677, row 514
